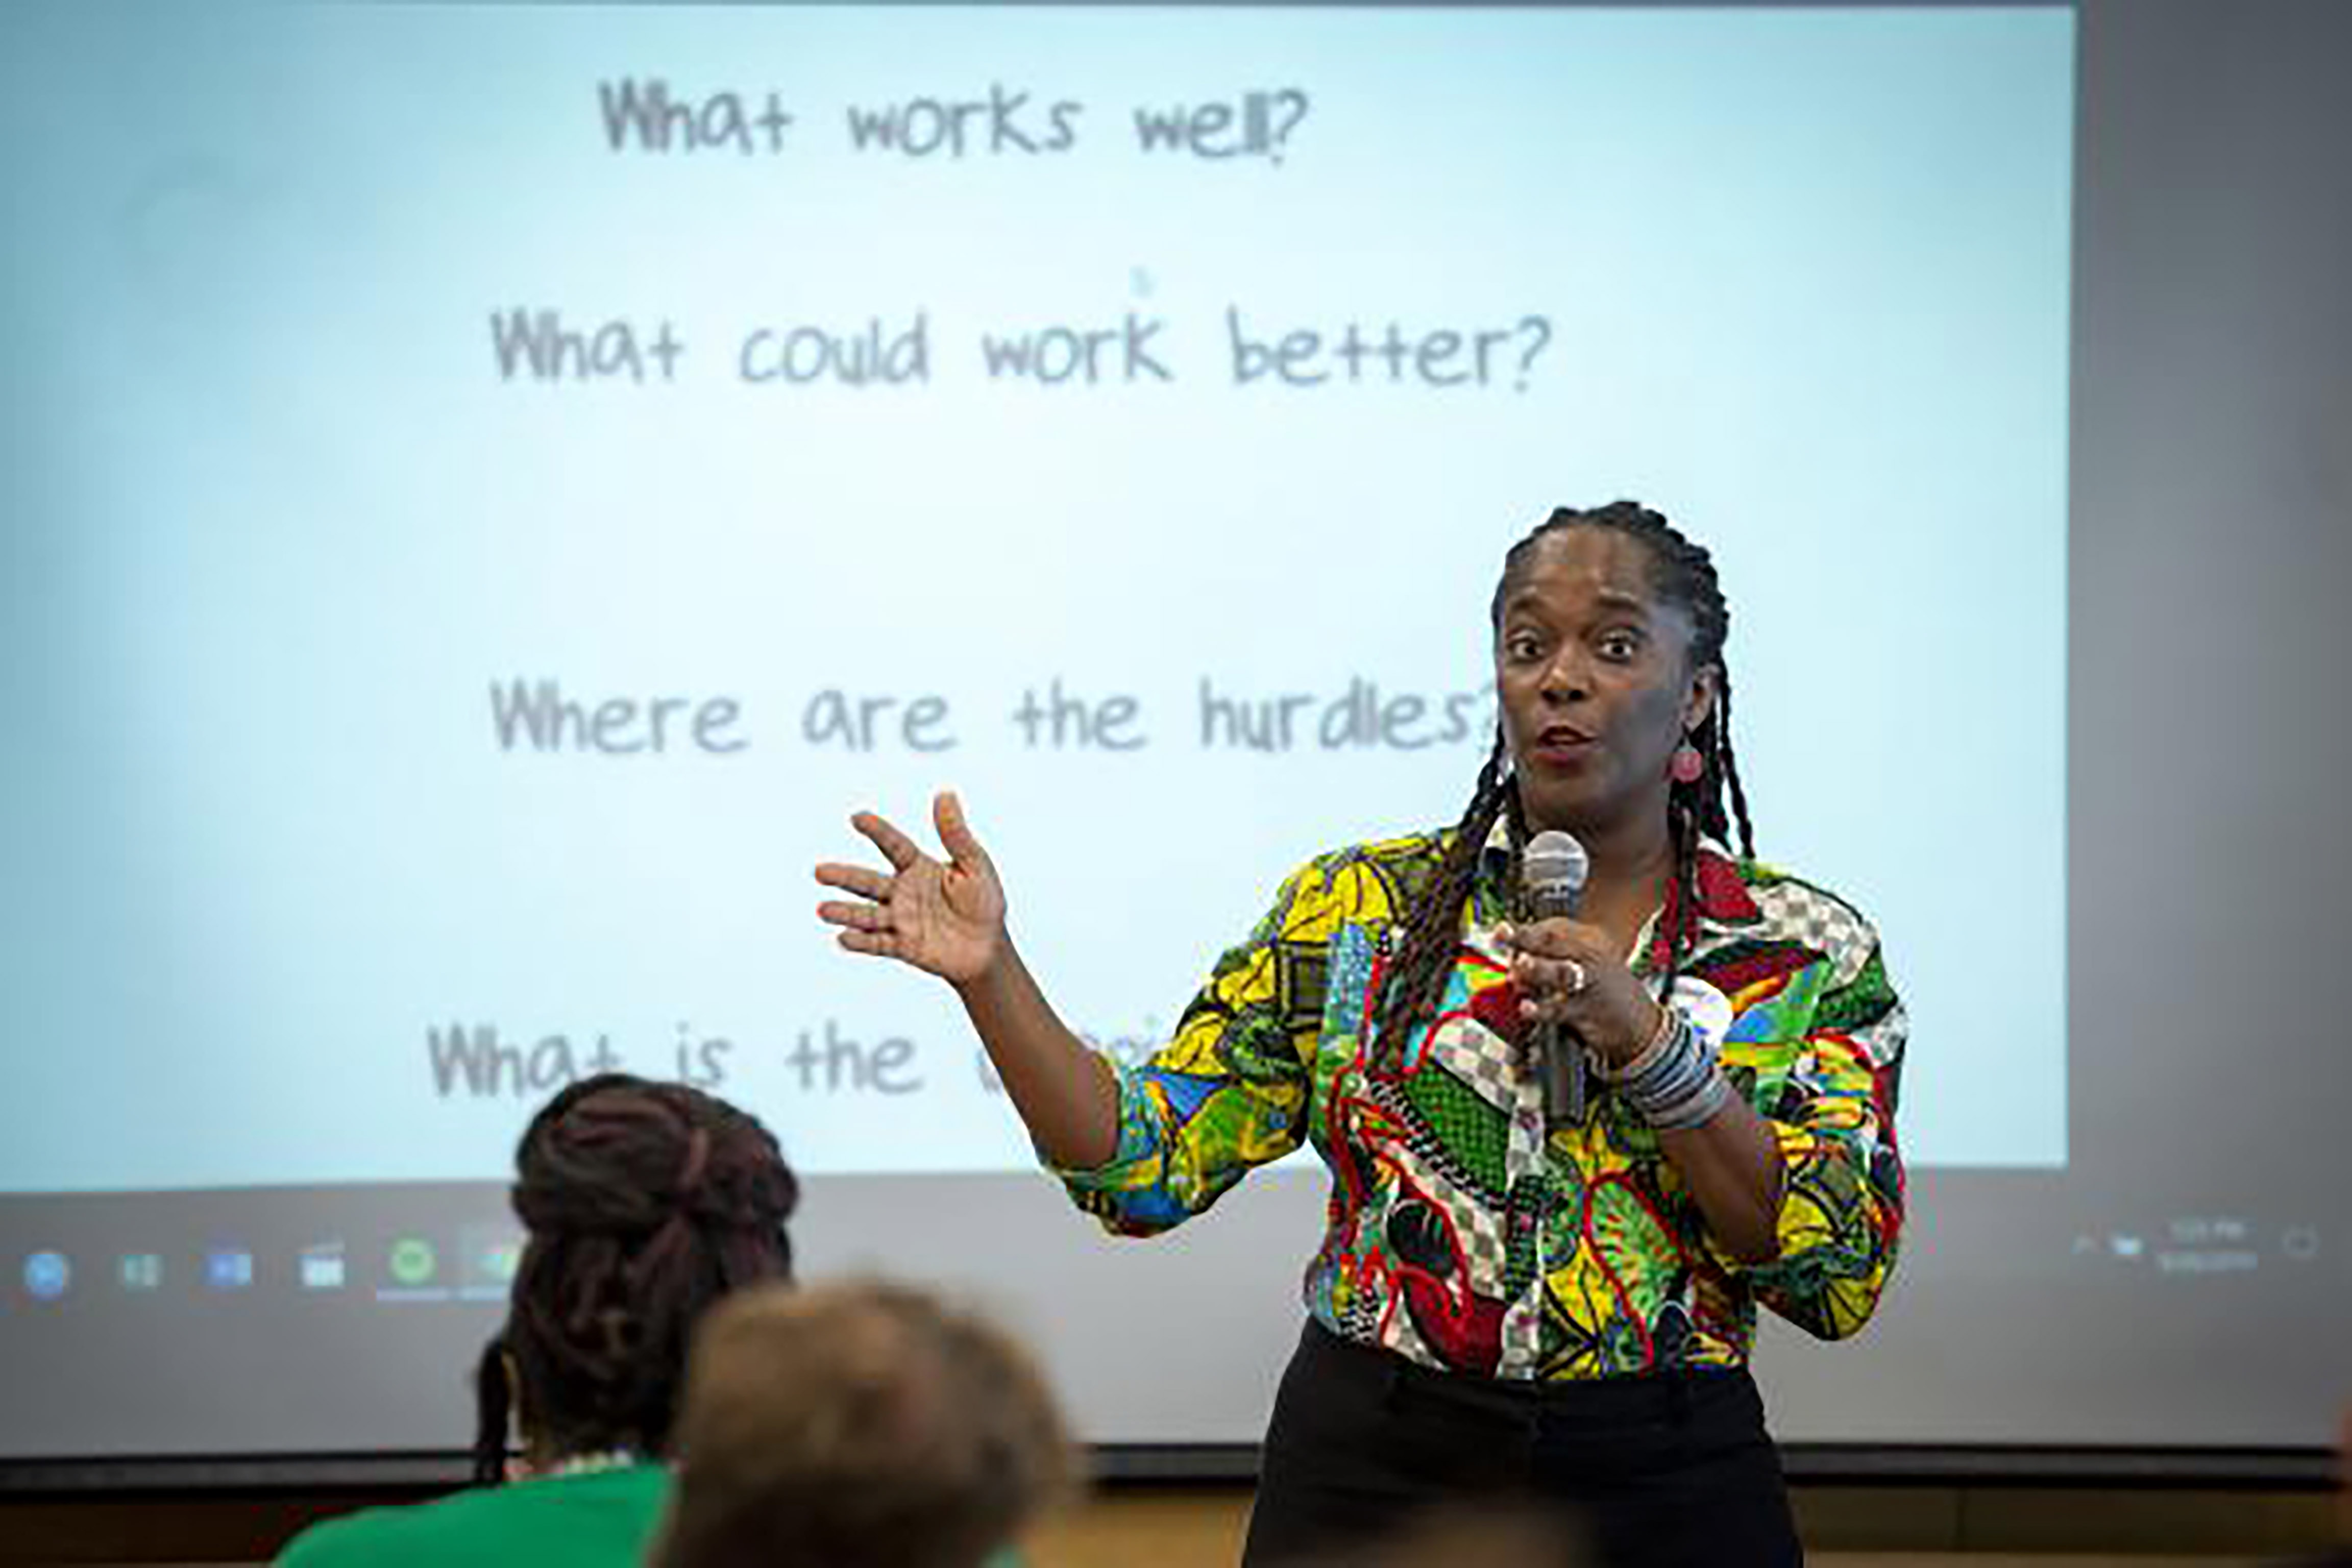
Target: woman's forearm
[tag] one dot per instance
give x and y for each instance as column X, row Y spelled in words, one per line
column 1064, row 1091
column 1731, row 1163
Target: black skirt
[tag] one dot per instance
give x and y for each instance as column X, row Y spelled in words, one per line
column 1673, row 1470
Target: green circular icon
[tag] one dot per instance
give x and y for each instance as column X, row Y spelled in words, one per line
column 413, row 1262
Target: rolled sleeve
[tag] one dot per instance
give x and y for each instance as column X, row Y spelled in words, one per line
column 1229, row 1093
column 1840, row 1215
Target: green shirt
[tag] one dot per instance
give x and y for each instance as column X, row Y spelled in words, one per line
column 588, row 1520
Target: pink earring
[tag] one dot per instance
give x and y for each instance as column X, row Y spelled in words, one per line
column 1688, row 766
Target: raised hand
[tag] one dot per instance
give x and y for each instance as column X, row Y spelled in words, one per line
column 945, row 918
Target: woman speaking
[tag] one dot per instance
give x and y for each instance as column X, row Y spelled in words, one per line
column 1575, row 1136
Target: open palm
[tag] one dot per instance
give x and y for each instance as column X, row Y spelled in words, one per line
column 946, row 917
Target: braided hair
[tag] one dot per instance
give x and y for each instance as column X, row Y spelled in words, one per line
column 1681, row 574
column 643, row 1203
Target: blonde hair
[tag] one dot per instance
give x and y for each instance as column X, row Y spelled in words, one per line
column 855, row 1426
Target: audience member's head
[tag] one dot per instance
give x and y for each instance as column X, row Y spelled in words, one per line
column 642, row 1203
column 858, row 1425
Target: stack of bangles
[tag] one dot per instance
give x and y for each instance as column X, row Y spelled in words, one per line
column 1676, row 1082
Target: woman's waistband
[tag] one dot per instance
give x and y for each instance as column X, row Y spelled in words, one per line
column 1669, row 1393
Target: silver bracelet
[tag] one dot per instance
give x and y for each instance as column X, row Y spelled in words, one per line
column 1646, row 1058
column 1702, row 1106
column 1676, row 1082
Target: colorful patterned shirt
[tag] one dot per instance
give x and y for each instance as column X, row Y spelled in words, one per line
column 1461, row 1233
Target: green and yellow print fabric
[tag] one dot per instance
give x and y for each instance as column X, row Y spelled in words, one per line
column 1461, row 1233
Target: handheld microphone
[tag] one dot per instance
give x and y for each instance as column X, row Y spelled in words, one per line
column 1552, row 869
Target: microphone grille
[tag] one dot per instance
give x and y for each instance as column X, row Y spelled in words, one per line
column 1554, row 861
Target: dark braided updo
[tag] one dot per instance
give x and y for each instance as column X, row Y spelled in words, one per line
column 1682, row 574
column 643, row 1202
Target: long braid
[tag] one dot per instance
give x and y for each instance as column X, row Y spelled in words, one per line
column 1683, row 573
column 643, row 1203
column 1722, row 760
column 1424, row 955
column 1680, row 933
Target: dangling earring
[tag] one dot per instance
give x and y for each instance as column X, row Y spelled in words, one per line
column 1688, row 765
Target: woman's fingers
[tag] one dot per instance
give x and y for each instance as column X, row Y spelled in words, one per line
column 863, row 880
column 879, row 944
column 897, row 847
column 1552, row 976
column 1553, row 1005
column 857, row 917
column 955, row 833
column 1553, row 938
column 1554, row 962
column 1583, row 988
